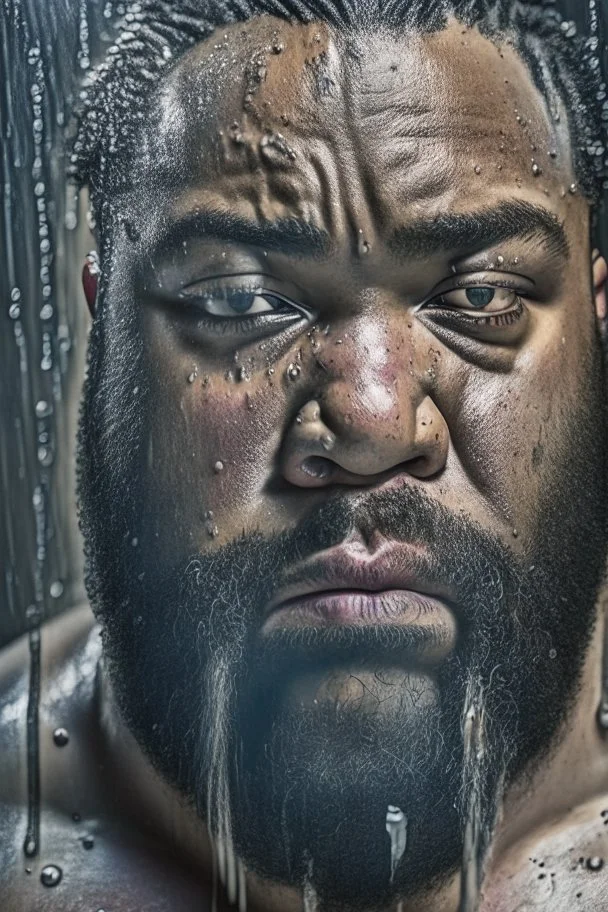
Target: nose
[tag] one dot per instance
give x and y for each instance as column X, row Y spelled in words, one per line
column 361, row 428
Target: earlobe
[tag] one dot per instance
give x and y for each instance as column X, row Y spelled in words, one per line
column 600, row 276
column 90, row 277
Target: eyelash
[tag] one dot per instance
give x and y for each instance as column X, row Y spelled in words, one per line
column 239, row 323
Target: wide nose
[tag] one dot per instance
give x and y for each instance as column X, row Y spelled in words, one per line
column 374, row 416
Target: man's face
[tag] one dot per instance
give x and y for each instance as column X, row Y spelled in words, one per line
column 343, row 440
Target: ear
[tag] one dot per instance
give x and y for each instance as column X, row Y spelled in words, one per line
column 600, row 275
column 90, row 277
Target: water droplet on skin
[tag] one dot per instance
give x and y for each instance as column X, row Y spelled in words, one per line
column 515, row 533
column 14, row 311
column 218, row 466
column 88, row 842
column 572, row 188
column 536, row 169
column 61, row 737
column 500, row 260
column 51, row 875
column 595, row 863
column 328, row 442
column 192, row 377
column 293, row 371
column 477, row 169
column 242, row 374
column 553, row 653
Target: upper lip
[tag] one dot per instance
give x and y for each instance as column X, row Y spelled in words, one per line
column 392, row 565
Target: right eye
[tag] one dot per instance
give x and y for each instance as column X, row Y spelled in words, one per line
column 233, row 302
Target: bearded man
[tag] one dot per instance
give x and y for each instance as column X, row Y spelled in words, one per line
column 342, row 473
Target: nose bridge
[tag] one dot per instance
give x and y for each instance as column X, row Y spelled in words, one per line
column 372, row 389
column 371, row 412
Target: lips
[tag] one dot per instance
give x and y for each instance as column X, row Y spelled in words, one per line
column 347, row 586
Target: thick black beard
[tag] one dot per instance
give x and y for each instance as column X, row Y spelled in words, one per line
column 304, row 792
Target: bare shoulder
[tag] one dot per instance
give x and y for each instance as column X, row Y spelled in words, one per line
column 99, row 856
column 562, row 869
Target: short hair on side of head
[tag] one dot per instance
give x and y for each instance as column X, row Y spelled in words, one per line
column 154, row 34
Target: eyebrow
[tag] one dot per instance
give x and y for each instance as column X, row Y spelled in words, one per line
column 467, row 233
column 290, row 236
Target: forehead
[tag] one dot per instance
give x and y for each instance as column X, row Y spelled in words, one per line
column 281, row 118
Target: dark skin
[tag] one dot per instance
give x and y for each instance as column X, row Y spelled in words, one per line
column 382, row 369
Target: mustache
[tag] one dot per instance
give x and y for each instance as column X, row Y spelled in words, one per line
column 457, row 551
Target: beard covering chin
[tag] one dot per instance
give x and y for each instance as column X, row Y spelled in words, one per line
column 302, row 791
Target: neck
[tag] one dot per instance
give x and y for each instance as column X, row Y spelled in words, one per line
column 571, row 776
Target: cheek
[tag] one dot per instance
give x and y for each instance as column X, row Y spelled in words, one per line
column 509, row 431
column 212, row 446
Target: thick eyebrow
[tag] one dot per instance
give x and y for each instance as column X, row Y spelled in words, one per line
column 290, row 236
column 468, row 233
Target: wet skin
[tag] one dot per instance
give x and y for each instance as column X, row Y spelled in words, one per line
column 379, row 369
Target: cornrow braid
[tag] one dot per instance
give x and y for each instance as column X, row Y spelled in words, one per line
column 154, row 34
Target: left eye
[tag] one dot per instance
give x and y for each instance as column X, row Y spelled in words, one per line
column 490, row 299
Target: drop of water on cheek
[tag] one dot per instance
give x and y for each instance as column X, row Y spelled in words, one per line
column 51, row 875
column 293, row 371
column 61, row 737
column 218, row 466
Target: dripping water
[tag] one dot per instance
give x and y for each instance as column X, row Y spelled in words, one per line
column 310, row 899
column 482, row 796
column 396, row 827
column 31, row 844
column 602, row 714
column 473, row 757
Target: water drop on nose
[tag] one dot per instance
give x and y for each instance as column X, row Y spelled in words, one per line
column 61, row 737
column 51, row 875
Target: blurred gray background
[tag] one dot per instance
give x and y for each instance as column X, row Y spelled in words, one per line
column 45, row 47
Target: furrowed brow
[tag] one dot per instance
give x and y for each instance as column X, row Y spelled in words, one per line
column 476, row 231
column 290, row 236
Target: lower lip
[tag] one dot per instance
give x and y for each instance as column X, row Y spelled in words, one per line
column 392, row 607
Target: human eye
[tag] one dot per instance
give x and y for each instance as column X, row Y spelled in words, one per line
column 476, row 299
column 241, row 303
column 489, row 307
